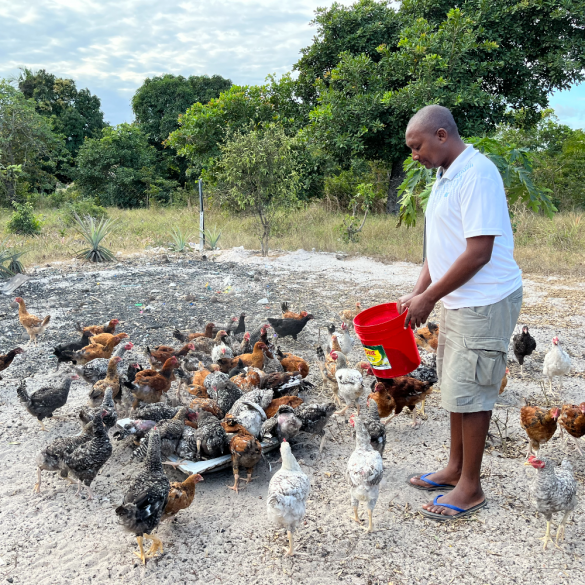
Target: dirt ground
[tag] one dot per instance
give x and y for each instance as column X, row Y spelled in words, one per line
column 55, row 537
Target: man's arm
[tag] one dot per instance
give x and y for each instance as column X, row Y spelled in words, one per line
column 423, row 282
column 477, row 254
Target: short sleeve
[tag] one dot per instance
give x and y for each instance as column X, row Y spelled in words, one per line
column 483, row 205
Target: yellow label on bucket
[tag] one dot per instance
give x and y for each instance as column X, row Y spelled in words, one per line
column 377, row 357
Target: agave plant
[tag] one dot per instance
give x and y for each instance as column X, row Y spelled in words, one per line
column 15, row 265
column 212, row 237
column 12, row 258
column 180, row 240
column 93, row 232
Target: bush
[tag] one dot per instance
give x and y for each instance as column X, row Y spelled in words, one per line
column 82, row 208
column 23, row 220
column 93, row 232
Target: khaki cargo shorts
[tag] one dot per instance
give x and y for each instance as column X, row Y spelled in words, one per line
column 472, row 353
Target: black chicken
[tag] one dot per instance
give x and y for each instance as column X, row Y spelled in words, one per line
column 289, row 327
column 145, row 501
column 314, row 418
column 524, row 344
column 7, row 359
column 45, row 401
column 131, row 372
column 65, row 352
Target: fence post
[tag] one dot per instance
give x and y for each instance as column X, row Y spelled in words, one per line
column 201, row 219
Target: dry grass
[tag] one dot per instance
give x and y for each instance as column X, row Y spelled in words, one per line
column 542, row 246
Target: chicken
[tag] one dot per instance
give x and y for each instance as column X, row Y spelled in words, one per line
column 283, row 425
column 151, row 385
column 407, row 392
column 329, row 367
column 208, row 405
column 221, row 351
column 254, row 359
column 97, row 369
column 239, row 328
column 260, row 334
column 556, row 363
column 292, row 401
column 249, row 410
column 425, row 373
column 107, row 410
column 206, row 345
column 524, row 344
column 540, row 425
column 290, row 327
column 348, row 315
column 162, row 353
column 221, row 389
column 99, row 329
column 112, row 380
column 364, row 472
column 428, row 337
column 65, row 352
column 344, row 340
column 51, row 457
column 272, row 364
column 7, row 359
column 286, row 314
column 246, row 451
column 210, row 438
column 244, row 347
column 553, row 490
column 97, row 351
column 146, row 500
column 283, row 383
column 376, row 429
column 102, row 338
column 200, row 374
column 88, row 458
column 184, row 337
column 293, row 363
column 287, row 495
column 572, row 419
column 237, row 370
column 382, row 397
column 314, row 418
column 349, row 383
column 157, row 411
column 137, row 429
column 34, row 325
column 504, row 381
column 46, row 400
column 249, row 379
column 181, row 495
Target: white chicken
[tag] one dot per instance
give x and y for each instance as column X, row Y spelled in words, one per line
column 221, row 351
column 556, row 363
column 287, row 494
column 364, row 473
column 345, row 340
column 349, row 383
column 249, row 410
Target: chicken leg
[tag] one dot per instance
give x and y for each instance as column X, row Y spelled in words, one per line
column 37, row 488
column 42, row 425
column 546, row 538
column 249, row 477
column 155, row 547
column 291, row 551
column 422, row 408
column 236, row 480
column 414, row 420
column 370, row 527
column 140, row 555
column 174, row 464
column 343, row 410
column 80, row 484
column 561, row 529
column 355, row 516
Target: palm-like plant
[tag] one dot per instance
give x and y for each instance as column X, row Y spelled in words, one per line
column 179, row 240
column 212, row 237
column 93, row 232
column 12, row 258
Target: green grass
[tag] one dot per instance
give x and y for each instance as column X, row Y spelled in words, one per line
column 542, row 246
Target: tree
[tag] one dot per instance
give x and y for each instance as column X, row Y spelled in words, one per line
column 74, row 114
column 29, row 150
column 259, row 172
column 117, row 169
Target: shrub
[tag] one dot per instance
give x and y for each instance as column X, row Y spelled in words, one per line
column 10, row 263
column 82, row 208
column 23, row 220
column 93, row 232
column 179, row 240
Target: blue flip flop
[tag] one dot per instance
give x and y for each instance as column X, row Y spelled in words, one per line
column 461, row 511
column 432, row 487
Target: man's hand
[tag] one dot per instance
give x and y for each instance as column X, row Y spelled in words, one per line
column 419, row 309
column 404, row 302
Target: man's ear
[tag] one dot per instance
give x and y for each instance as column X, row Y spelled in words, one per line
column 442, row 135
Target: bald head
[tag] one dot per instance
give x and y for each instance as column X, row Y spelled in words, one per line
column 432, row 118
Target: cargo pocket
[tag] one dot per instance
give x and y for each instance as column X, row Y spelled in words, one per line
column 491, row 359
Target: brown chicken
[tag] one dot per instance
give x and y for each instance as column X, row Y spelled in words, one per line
column 184, row 337
column 103, row 338
column 160, row 354
column 99, row 329
column 428, row 337
column 406, row 392
column 92, row 352
column 246, row 451
column 208, row 405
column 150, row 384
column 206, row 344
column 540, row 425
column 572, row 419
column 286, row 314
column 112, row 380
column 181, row 496
column 202, row 373
column 292, row 401
column 293, row 363
column 504, row 381
column 382, row 397
column 34, row 325
column 7, row 359
column 249, row 380
column 254, row 359
column 348, row 315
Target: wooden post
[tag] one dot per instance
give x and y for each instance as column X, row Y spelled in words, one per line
column 201, row 219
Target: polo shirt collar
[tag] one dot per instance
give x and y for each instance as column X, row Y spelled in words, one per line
column 458, row 163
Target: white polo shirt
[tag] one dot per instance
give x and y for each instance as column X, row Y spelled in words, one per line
column 467, row 200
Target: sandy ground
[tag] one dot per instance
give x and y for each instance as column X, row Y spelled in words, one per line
column 55, row 537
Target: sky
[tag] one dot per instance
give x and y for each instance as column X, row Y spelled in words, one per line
column 110, row 46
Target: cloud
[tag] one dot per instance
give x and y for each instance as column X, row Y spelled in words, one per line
column 112, row 46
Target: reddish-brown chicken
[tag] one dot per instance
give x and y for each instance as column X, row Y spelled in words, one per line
column 249, row 380
column 382, row 397
column 181, row 496
column 160, row 354
column 540, row 425
column 292, row 401
column 254, row 359
column 102, row 338
column 7, row 359
column 245, row 449
column 99, row 329
column 208, row 405
column 184, row 337
column 504, row 381
column 572, row 419
column 406, row 392
column 34, row 325
column 92, row 352
column 428, row 337
column 150, row 384
column 286, row 314
column 112, row 380
column 206, row 344
column 202, row 373
column 348, row 315
column 293, row 363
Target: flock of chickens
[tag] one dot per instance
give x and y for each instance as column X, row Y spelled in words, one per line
column 242, row 389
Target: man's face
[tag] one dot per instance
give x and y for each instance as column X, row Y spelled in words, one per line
column 428, row 149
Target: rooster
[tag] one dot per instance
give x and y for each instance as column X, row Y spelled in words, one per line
column 34, row 325
column 556, row 363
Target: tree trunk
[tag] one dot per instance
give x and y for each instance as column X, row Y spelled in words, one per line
column 396, row 177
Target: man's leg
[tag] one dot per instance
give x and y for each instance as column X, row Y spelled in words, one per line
column 452, row 472
column 468, row 492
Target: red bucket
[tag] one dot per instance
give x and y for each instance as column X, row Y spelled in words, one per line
column 390, row 348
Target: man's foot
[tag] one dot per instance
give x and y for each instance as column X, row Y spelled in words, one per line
column 455, row 498
column 443, row 476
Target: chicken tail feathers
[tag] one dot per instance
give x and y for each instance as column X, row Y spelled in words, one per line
column 46, row 321
column 284, row 307
column 22, row 393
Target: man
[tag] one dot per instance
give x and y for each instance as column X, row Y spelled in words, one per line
column 470, row 267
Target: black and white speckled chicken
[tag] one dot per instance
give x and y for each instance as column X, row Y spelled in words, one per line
column 376, row 429
column 221, row 389
column 46, row 400
column 249, row 413
column 84, row 463
column 107, row 411
column 553, row 490
column 314, row 418
column 426, row 373
column 137, row 429
column 97, row 369
column 145, row 501
column 209, row 439
column 155, row 411
column 51, row 457
column 285, row 424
